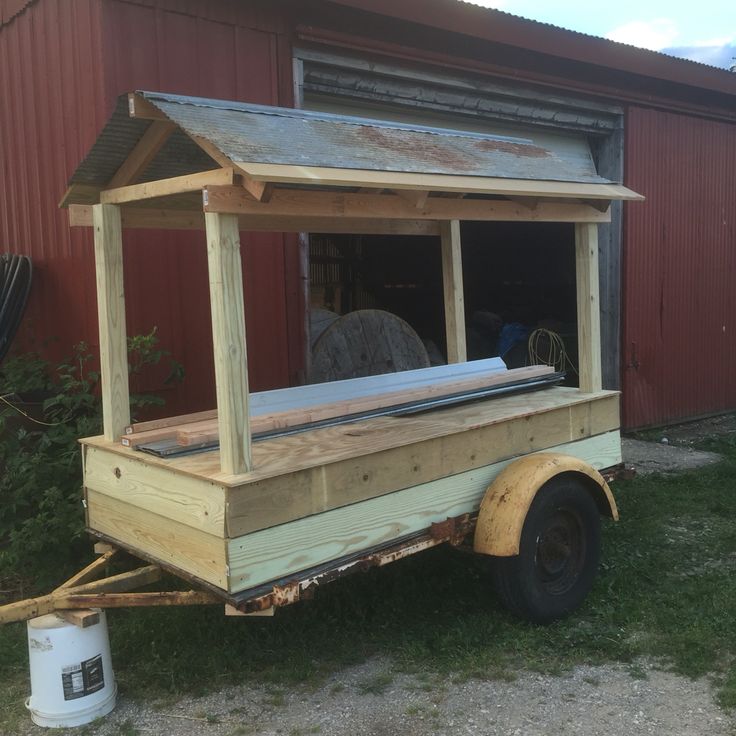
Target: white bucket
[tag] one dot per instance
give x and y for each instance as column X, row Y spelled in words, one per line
column 72, row 681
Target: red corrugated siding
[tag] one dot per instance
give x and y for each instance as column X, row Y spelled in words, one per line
column 679, row 335
column 63, row 65
column 50, row 69
column 166, row 273
column 10, row 8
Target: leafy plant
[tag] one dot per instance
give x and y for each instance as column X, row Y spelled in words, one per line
column 41, row 515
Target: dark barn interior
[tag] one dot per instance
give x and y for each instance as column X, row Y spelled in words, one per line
column 518, row 277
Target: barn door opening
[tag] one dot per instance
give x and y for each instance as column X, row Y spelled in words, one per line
column 520, row 299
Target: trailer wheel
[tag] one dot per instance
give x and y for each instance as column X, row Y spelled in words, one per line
column 558, row 555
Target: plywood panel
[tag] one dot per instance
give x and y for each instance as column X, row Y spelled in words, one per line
column 274, row 553
column 176, row 545
column 190, row 501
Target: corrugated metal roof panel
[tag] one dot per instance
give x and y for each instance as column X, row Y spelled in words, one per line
column 272, row 135
column 258, row 134
column 179, row 155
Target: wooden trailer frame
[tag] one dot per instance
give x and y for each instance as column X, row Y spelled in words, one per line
column 202, row 516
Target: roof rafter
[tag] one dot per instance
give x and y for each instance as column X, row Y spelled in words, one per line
column 141, row 156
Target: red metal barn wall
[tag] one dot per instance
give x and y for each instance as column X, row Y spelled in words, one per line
column 63, row 65
column 52, row 107
column 679, row 279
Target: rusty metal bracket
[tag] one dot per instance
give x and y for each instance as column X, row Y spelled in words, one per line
column 452, row 530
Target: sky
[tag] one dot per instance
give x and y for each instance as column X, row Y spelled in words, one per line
column 704, row 30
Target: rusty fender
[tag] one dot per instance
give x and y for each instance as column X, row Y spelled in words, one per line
column 507, row 499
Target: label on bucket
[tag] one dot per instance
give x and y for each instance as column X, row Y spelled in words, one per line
column 83, row 679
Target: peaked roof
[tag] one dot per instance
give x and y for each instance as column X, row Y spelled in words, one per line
column 286, row 146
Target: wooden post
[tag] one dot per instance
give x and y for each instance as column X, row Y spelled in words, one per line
column 452, row 280
column 589, row 318
column 111, row 317
column 228, row 338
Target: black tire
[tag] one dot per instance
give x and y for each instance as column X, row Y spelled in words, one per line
column 558, row 554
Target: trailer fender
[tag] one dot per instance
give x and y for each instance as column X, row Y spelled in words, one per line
column 508, row 498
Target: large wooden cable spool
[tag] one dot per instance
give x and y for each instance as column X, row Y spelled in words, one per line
column 319, row 320
column 367, row 342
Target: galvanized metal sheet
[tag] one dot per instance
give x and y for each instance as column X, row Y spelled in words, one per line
column 260, row 134
column 274, row 135
column 179, row 155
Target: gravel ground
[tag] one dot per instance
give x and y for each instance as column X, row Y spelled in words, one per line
column 656, row 457
column 372, row 700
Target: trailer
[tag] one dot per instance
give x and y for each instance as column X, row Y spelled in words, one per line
column 262, row 500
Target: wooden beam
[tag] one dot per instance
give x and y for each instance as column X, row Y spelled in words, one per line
column 452, row 282
column 601, row 205
column 63, row 597
column 327, row 176
column 170, row 219
column 532, row 202
column 259, row 190
column 81, row 618
column 305, row 203
column 102, row 548
column 198, row 416
column 415, row 197
column 206, row 431
column 215, row 153
column 589, row 319
column 354, row 226
column 137, row 600
column 91, row 572
column 144, row 152
column 80, row 215
column 166, row 187
column 228, row 337
column 108, row 239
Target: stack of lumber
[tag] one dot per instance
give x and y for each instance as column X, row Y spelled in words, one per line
column 304, row 406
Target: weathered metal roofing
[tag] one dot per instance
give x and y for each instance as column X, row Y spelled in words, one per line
column 259, row 134
column 179, row 155
column 497, row 26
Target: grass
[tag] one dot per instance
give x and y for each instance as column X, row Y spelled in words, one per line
column 666, row 590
